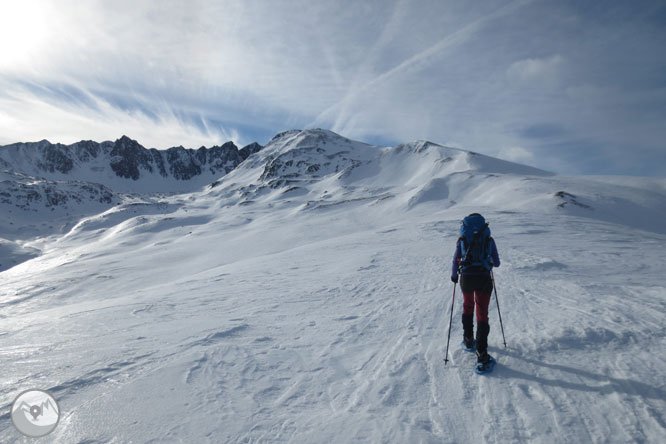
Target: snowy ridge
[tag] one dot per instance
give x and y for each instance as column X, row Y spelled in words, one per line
column 125, row 165
column 305, row 296
column 319, row 168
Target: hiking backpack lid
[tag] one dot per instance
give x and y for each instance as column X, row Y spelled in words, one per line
column 475, row 243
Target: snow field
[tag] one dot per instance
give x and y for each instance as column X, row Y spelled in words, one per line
column 338, row 334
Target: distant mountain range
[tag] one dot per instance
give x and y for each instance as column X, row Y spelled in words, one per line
column 49, row 188
column 125, row 165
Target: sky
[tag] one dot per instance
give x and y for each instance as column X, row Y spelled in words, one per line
column 574, row 87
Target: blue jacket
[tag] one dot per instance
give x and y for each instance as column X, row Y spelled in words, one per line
column 457, row 257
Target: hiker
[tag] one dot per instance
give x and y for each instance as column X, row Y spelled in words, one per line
column 476, row 254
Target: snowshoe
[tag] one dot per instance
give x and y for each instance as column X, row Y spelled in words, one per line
column 469, row 344
column 484, row 365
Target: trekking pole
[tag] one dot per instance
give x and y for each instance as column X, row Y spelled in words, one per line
column 492, row 277
column 446, row 356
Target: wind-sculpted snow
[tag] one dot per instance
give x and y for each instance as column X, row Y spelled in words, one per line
column 117, row 215
column 309, row 302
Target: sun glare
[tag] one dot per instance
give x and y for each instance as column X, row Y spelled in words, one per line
column 23, row 31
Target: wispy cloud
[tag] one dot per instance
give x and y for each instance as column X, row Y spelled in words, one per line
column 490, row 76
column 67, row 115
column 540, row 69
column 411, row 67
column 517, row 154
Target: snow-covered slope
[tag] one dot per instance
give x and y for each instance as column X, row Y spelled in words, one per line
column 318, row 168
column 304, row 297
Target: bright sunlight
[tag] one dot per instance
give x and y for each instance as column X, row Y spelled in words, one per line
column 23, row 31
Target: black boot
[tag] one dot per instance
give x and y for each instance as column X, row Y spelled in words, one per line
column 482, row 330
column 468, row 330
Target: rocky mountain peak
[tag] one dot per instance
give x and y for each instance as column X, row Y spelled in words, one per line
column 125, row 159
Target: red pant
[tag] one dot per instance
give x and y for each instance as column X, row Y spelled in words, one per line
column 482, row 300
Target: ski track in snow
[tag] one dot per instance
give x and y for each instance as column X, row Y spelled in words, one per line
column 209, row 319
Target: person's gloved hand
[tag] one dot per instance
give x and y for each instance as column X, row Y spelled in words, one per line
column 454, row 279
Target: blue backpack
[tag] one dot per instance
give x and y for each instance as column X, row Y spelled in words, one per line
column 475, row 243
